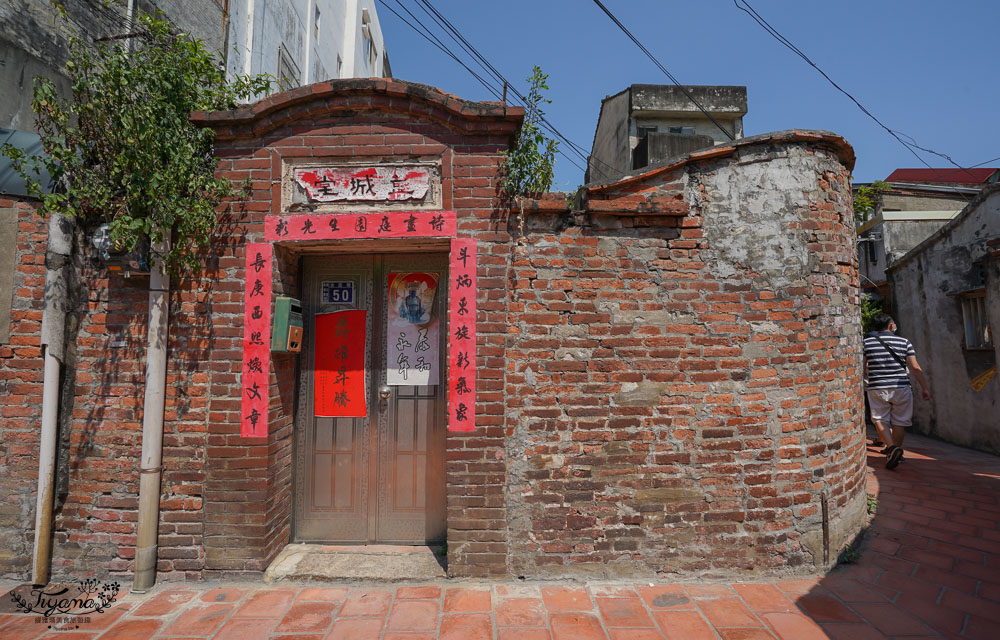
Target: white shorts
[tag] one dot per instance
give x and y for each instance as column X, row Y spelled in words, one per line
column 892, row 406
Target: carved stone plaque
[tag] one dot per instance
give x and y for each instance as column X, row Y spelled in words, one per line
column 392, row 183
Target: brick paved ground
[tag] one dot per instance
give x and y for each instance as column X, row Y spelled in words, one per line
column 929, row 568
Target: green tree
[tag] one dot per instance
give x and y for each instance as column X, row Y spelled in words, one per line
column 868, row 199
column 528, row 167
column 870, row 307
column 121, row 149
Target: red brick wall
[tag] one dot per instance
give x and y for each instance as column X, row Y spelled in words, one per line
column 683, row 389
column 667, row 380
column 248, row 493
column 21, row 392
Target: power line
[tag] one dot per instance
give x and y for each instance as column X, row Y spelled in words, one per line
column 494, row 90
column 430, row 37
column 456, row 35
column 663, row 69
column 898, row 135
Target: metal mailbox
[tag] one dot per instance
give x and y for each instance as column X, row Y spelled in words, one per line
column 286, row 328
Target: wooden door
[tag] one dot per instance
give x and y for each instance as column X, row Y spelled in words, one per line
column 380, row 478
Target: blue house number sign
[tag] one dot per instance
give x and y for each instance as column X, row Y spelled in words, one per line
column 338, row 292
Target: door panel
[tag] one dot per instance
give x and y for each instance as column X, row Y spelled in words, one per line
column 332, row 454
column 378, row 479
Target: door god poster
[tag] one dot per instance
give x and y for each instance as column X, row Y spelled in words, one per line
column 412, row 336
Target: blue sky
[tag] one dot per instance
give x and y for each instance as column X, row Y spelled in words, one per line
column 926, row 68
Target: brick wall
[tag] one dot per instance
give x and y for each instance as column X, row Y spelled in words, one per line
column 21, row 392
column 667, row 378
column 248, row 494
column 684, row 388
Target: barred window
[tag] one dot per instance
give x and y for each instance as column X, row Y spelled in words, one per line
column 977, row 327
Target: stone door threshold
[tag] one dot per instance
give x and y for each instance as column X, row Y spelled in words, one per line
column 370, row 563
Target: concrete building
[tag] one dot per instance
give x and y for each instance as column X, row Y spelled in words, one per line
column 296, row 41
column 661, row 382
column 300, row 42
column 649, row 123
column 910, row 212
column 946, row 300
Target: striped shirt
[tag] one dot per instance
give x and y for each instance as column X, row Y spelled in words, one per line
column 884, row 372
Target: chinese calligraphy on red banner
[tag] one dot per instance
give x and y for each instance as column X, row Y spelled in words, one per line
column 339, row 383
column 462, row 338
column 256, row 341
column 364, row 184
column 354, row 226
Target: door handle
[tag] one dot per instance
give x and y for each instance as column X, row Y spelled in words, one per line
column 384, row 392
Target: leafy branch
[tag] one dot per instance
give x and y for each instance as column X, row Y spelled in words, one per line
column 528, row 167
column 868, row 199
column 121, row 149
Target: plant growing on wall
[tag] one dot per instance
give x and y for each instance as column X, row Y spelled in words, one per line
column 121, row 148
column 528, row 167
column 868, row 199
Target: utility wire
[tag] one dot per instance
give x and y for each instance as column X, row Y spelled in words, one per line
column 456, row 35
column 663, row 69
column 430, row 37
column 898, row 135
column 493, row 89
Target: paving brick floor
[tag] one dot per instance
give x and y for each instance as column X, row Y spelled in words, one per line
column 929, row 568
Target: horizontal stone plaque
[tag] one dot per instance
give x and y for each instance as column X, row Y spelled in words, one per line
column 364, row 184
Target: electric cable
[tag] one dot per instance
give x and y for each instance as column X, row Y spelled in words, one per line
column 440, row 45
column 898, row 135
column 663, row 69
column 457, row 36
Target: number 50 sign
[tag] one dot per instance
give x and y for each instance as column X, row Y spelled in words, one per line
column 337, row 292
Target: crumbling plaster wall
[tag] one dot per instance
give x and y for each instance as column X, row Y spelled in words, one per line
column 926, row 312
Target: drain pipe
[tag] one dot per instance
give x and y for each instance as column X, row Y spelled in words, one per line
column 152, row 420
column 57, row 255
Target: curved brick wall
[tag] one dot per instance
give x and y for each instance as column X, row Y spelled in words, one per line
column 686, row 387
column 668, row 379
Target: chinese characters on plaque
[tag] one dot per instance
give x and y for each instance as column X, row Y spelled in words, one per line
column 462, row 338
column 351, row 226
column 364, row 184
column 413, row 331
column 256, row 341
column 339, row 382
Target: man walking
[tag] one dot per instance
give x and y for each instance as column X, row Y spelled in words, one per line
column 887, row 358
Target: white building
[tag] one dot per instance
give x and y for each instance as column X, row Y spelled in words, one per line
column 300, row 42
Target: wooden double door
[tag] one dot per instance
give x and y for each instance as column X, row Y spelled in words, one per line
column 378, row 478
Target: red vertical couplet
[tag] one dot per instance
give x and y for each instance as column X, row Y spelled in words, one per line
column 462, row 336
column 256, row 341
column 339, row 383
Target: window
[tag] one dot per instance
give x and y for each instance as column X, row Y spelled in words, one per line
column 316, row 23
column 644, row 130
column 340, row 66
column 682, row 130
column 977, row 328
column 288, row 72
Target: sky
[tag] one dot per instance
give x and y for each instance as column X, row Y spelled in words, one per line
column 925, row 68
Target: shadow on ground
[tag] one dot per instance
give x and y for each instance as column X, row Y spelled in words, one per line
column 929, row 565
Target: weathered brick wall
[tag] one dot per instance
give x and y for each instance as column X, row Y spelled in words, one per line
column 21, row 392
column 100, row 418
column 683, row 389
column 248, row 490
column 667, row 380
